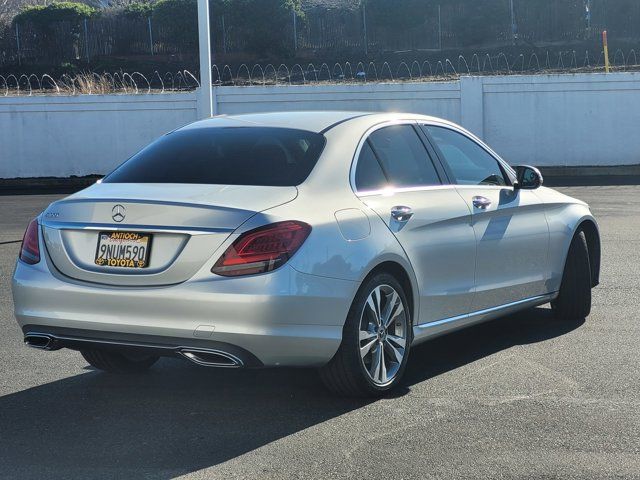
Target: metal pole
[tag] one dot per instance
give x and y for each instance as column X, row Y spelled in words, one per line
column 18, row 43
column 224, row 36
column 514, row 26
column 204, row 43
column 587, row 7
column 440, row 27
column 295, row 31
column 364, row 23
column 150, row 35
column 86, row 40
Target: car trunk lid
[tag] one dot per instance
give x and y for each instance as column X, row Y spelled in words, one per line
column 187, row 223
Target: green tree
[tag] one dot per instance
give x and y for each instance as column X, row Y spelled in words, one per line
column 43, row 16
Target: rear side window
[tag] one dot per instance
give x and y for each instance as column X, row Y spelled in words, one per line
column 225, row 156
column 400, row 156
column 469, row 163
column 369, row 174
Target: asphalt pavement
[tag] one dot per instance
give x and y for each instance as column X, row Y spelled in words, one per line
column 524, row 396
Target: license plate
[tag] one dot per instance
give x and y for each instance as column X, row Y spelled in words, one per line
column 123, row 249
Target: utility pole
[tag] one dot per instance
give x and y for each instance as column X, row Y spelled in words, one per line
column 204, row 42
column 514, row 25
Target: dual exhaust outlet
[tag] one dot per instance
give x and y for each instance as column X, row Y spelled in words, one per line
column 199, row 356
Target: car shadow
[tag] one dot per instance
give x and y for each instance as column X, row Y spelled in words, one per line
column 178, row 419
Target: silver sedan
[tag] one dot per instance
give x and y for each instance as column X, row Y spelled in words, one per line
column 334, row 240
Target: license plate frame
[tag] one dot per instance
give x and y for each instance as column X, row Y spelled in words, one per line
column 126, row 239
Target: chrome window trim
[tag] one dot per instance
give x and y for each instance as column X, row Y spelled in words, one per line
column 417, row 122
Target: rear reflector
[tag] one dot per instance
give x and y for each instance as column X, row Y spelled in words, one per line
column 30, row 250
column 263, row 249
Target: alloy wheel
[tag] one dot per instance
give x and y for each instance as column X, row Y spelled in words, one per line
column 383, row 334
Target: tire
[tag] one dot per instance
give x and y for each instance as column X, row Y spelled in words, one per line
column 352, row 374
column 115, row 362
column 574, row 300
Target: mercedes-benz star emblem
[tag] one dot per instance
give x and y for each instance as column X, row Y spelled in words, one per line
column 117, row 213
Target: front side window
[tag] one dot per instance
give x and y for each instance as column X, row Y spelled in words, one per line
column 395, row 156
column 469, row 163
column 225, row 156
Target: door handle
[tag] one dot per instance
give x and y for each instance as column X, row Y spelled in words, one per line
column 401, row 213
column 481, row 202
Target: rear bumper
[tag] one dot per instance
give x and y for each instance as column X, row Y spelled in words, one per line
column 285, row 318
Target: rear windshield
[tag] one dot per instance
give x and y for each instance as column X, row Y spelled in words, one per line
column 225, row 156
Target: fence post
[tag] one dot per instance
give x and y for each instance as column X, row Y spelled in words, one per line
column 364, row 27
column 514, row 25
column 150, row 35
column 86, row 40
column 295, row 31
column 440, row 27
column 224, row 36
column 18, row 43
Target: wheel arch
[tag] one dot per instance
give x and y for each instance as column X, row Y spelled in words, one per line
column 401, row 274
column 589, row 227
column 592, row 235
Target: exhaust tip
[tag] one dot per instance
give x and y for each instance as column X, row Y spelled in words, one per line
column 211, row 358
column 40, row 341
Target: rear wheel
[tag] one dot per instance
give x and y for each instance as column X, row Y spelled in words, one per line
column 574, row 299
column 116, row 362
column 375, row 342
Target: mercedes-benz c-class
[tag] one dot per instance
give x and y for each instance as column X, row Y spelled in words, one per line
column 333, row 240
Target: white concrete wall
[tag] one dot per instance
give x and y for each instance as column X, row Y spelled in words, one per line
column 570, row 120
column 440, row 99
column 545, row 120
column 62, row 136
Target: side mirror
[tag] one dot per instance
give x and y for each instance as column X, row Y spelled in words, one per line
column 529, row 178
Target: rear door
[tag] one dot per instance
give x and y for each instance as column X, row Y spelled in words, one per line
column 510, row 225
column 396, row 177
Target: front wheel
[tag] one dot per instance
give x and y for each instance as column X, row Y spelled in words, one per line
column 375, row 342
column 574, row 299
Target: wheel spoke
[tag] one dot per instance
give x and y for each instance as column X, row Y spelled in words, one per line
column 397, row 353
column 396, row 310
column 374, row 304
column 383, row 364
column 399, row 341
column 389, row 308
column 366, row 348
column 366, row 335
column 376, row 363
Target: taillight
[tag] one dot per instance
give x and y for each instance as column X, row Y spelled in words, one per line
column 263, row 249
column 30, row 250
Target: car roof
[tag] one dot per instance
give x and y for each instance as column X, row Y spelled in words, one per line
column 314, row 121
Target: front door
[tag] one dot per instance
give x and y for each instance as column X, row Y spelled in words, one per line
column 510, row 225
